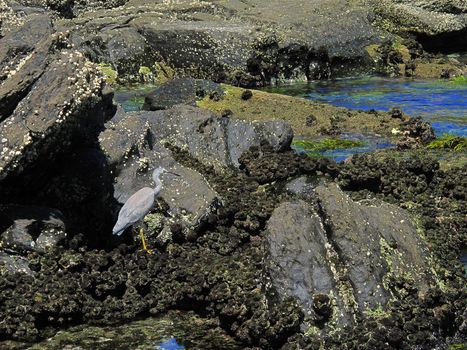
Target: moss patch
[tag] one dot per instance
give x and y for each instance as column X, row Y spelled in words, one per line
column 307, row 118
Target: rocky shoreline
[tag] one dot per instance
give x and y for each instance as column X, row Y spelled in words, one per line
column 267, row 248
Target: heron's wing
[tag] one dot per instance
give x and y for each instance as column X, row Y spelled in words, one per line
column 134, row 209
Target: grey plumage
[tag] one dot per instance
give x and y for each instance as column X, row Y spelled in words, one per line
column 139, row 204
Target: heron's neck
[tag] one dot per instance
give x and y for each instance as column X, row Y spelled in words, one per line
column 158, row 182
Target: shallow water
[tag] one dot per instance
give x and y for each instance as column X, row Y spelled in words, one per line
column 443, row 103
column 371, row 143
column 132, row 99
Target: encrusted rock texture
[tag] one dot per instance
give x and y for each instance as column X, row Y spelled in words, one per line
column 279, row 250
column 248, row 43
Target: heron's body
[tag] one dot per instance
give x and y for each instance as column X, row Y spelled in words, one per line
column 135, row 208
column 138, row 205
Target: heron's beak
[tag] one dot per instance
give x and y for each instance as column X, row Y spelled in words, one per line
column 169, row 172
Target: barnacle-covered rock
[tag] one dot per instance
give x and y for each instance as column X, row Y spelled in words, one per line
column 65, row 103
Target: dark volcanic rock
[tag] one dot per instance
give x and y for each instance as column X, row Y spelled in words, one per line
column 438, row 24
column 32, row 228
column 17, row 44
column 180, row 91
column 214, row 141
column 346, row 251
column 52, row 104
column 64, row 103
column 14, row 264
column 299, row 255
column 139, row 142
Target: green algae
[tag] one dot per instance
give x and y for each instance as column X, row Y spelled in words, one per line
column 377, row 312
column 110, row 74
column 459, row 80
column 327, row 144
column 448, row 141
column 458, row 347
column 307, row 118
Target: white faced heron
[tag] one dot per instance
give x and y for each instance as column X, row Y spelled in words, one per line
column 138, row 205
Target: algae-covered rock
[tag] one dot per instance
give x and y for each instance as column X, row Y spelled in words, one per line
column 175, row 330
column 327, row 119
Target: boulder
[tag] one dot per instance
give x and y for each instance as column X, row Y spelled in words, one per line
column 31, row 228
column 219, row 142
column 138, row 142
column 300, row 258
column 180, row 91
column 133, row 150
column 65, row 103
column 437, row 24
column 18, row 43
column 52, row 107
column 355, row 254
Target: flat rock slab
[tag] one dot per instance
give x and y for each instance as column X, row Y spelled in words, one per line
column 346, row 250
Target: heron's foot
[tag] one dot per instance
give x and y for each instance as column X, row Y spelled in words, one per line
column 143, row 240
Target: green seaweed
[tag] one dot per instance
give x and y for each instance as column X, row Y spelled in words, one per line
column 377, row 313
column 327, row 144
column 459, row 80
column 458, row 347
column 448, row 141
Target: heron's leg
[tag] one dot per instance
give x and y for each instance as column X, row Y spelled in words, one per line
column 145, row 246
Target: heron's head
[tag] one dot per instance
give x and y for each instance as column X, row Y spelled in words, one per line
column 160, row 170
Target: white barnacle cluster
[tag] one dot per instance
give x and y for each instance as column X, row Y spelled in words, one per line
column 60, row 39
column 13, row 154
column 88, row 83
column 11, row 72
column 85, row 83
column 8, row 17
